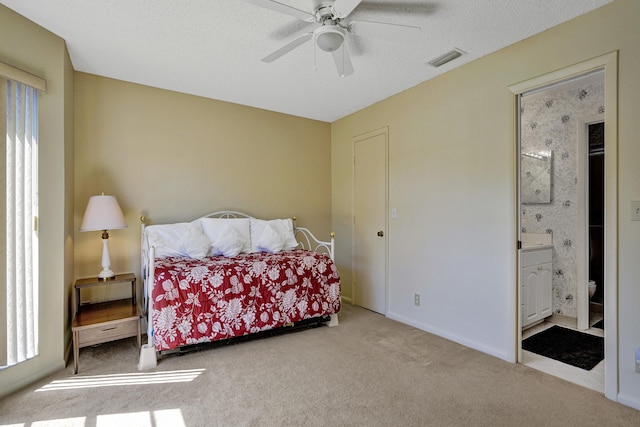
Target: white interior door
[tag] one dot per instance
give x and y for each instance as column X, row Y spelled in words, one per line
column 370, row 221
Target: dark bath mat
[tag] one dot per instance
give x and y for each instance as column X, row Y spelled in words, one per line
column 568, row 346
column 599, row 324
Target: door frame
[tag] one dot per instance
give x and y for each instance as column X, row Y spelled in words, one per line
column 358, row 138
column 582, row 256
column 608, row 62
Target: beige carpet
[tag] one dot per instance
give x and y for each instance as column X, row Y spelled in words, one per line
column 369, row 371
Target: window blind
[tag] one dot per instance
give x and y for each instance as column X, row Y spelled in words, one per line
column 19, row 243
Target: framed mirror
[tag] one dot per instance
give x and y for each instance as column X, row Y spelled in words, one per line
column 536, row 177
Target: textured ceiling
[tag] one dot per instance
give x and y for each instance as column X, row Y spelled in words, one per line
column 213, row 48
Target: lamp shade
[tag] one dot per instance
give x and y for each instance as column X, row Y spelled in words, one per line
column 103, row 213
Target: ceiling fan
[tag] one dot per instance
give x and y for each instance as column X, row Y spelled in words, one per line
column 334, row 26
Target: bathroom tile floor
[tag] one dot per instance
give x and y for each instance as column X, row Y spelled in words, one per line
column 593, row 379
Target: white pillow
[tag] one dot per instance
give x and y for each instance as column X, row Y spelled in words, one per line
column 180, row 239
column 214, row 227
column 194, row 243
column 230, row 243
column 284, row 227
column 270, row 240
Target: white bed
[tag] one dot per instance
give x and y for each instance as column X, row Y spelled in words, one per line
column 227, row 275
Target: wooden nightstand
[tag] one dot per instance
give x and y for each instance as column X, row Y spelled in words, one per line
column 107, row 321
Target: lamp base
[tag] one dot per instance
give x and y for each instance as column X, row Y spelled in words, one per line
column 106, row 274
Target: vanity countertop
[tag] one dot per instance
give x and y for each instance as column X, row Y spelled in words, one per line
column 528, row 246
column 536, row 241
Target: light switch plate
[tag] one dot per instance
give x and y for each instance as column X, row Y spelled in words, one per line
column 635, row 211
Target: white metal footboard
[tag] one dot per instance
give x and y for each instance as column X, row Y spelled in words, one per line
column 147, row 273
column 148, row 356
column 308, row 241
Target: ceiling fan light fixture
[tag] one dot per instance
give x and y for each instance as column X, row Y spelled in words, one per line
column 329, row 37
column 447, row 57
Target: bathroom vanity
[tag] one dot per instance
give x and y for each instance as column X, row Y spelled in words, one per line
column 535, row 282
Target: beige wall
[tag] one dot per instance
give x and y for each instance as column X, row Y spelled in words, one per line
column 41, row 53
column 452, row 181
column 175, row 157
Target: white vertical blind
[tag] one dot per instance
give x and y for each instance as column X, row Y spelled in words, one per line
column 20, row 214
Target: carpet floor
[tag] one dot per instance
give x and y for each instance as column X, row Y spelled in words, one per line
column 368, row 371
column 575, row 348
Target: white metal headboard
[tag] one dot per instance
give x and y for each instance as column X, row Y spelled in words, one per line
column 306, row 239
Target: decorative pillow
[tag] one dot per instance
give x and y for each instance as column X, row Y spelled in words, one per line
column 230, row 243
column 214, row 227
column 283, row 227
column 180, row 239
column 194, row 243
column 270, row 240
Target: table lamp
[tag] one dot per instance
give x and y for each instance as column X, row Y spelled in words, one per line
column 103, row 213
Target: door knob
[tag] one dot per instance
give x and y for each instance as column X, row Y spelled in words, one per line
column 380, row 233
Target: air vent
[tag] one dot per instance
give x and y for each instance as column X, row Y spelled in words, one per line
column 447, row 57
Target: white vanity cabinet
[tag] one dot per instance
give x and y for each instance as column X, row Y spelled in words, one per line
column 536, row 291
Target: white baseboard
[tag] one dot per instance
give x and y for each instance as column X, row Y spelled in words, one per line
column 629, row 401
column 559, row 319
column 452, row 337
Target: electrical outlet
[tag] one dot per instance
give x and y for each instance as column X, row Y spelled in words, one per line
column 635, row 211
column 416, row 300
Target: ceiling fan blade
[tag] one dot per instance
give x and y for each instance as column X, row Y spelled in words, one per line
column 342, row 8
column 288, row 47
column 403, row 33
column 290, row 29
column 342, row 61
column 283, row 8
column 400, row 8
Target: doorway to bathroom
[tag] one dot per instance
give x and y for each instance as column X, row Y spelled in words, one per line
column 561, row 195
column 553, row 163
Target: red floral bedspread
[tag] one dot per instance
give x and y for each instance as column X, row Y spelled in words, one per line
column 197, row 301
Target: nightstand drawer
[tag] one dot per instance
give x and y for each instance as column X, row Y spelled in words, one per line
column 108, row 332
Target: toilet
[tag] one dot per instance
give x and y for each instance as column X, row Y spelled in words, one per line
column 592, row 288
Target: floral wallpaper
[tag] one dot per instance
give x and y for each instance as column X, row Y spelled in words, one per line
column 549, row 121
